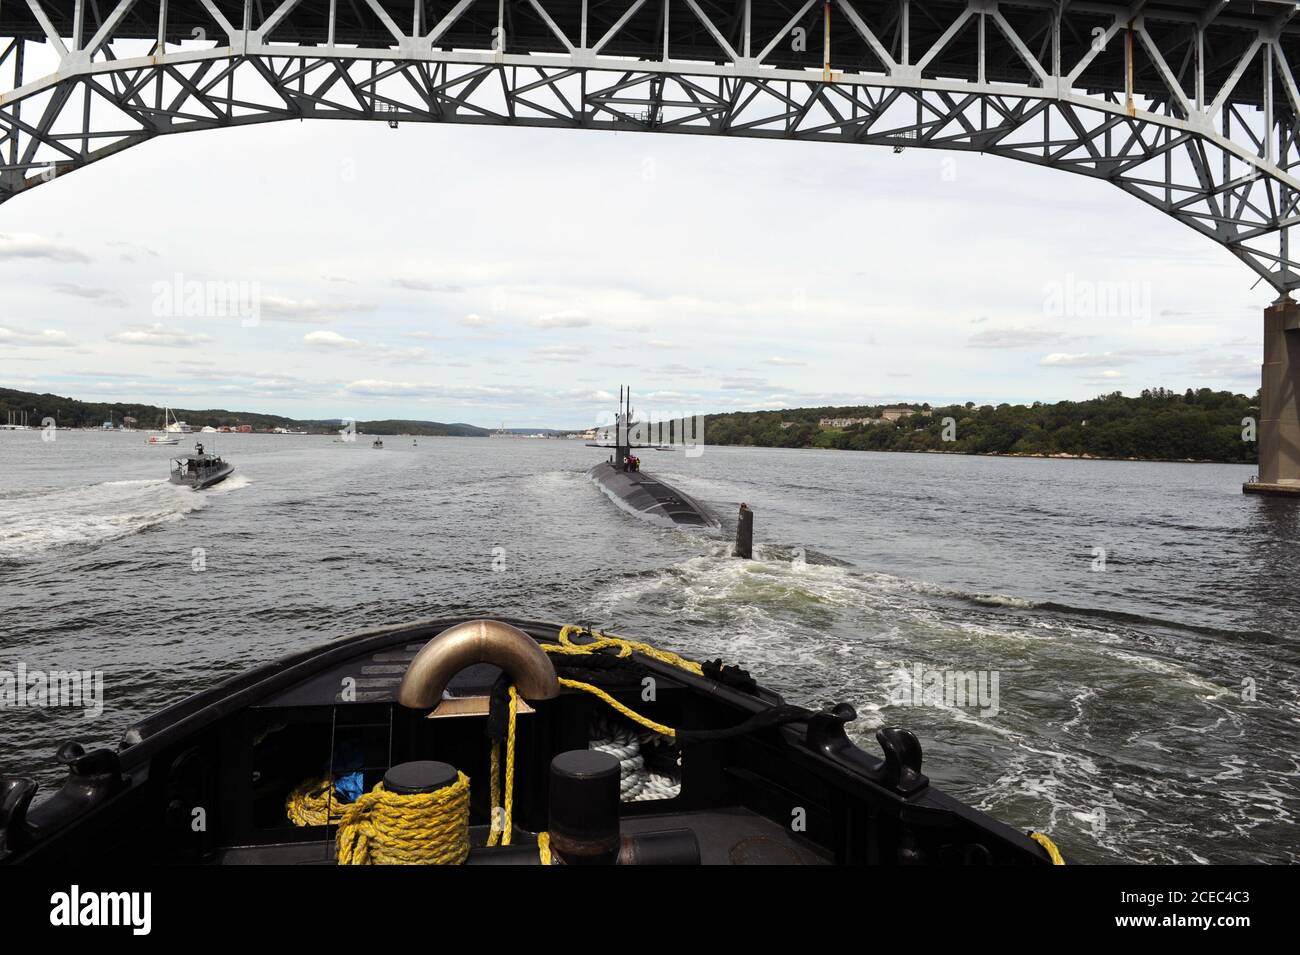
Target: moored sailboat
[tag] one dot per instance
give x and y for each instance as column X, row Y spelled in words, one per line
column 170, row 428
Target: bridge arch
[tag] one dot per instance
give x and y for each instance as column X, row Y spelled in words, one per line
column 1189, row 106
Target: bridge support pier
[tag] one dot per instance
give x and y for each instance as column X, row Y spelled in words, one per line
column 1279, row 402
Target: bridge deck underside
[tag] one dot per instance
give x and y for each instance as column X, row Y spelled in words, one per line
column 1172, row 25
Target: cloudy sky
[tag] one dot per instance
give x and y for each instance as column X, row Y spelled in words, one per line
column 520, row 276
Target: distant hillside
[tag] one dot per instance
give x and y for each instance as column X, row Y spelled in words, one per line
column 1158, row 425
column 71, row 413
column 550, row 432
column 401, row 426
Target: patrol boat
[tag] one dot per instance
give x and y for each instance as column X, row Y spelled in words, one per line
column 200, row 469
column 636, row 491
column 499, row 742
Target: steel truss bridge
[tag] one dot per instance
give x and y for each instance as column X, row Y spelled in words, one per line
column 1190, row 106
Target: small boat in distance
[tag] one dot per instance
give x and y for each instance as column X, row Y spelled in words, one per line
column 200, row 470
column 170, row 428
column 175, row 427
column 377, row 443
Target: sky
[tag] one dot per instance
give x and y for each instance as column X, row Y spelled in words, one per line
column 520, row 276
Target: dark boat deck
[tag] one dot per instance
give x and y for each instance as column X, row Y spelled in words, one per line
column 729, row 836
column 239, row 749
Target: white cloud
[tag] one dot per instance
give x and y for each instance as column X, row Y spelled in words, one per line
column 560, row 352
column 157, row 335
column 399, row 355
column 676, row 369
column 423, row 285
column 784, row 362
column 1013, row 338
column 102, row 296
column 1238, row 369
column 746, row 384
column 570, row 318
column 327, row 339
column 476, row 321
column 278, row 308
column 1082, row 360
column 323, row 338
column 46, row 338
column 1108, row 377
column 381, row 388
column 131, row 249
column 20, row 245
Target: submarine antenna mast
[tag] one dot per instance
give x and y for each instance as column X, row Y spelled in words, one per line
column 627, row 426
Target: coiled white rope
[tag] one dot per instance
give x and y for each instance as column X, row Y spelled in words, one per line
column 637, row 783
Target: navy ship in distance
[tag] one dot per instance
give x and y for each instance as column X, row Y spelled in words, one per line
column 636, row 491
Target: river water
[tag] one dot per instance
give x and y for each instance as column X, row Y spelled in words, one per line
column 1140, row 620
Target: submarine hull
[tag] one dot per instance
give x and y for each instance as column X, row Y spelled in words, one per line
column 647, row 496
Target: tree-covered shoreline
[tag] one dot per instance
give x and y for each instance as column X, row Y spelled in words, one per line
column 72, row 413
column 1158, row 425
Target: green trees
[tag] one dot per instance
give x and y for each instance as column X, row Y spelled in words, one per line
column 71, row 413
column 1159, row 424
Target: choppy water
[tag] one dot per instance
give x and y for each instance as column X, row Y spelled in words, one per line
column 1120, row 725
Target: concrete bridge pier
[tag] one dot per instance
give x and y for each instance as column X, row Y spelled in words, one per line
column 1279, row 402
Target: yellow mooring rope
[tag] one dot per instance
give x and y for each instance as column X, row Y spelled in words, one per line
column 503, row 814
column 1052, row 852
column 383, row 828
column 625, row 648
column 602, row 641
column 314, row 803
column 625, row 710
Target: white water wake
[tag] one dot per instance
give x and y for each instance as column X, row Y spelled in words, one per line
column 33, row 523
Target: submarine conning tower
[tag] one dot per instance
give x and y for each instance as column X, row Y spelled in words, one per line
column 623, row 426
column 636, row 491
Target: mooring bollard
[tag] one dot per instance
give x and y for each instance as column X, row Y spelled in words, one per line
column 745, row 533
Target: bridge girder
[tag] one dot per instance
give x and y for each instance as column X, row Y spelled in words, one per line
column 1189, row 106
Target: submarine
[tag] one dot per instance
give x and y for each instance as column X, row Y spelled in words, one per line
column 637, row 492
